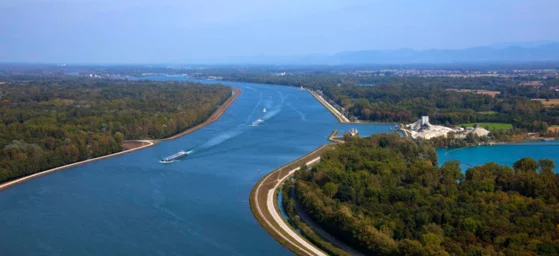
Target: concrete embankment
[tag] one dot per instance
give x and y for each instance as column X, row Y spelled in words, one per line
column 214, row 117
column 146, row 143
column 335, row 138
column 337, row 114
column 264, row 205
column 139, row 144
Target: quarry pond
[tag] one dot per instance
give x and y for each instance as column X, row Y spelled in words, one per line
column 505, row 154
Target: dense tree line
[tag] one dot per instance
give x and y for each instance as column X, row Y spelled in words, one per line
column 405, row 103
column 386, row 195
column 405, row 99
column 49, row 121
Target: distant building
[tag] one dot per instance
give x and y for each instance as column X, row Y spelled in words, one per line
column 425, row 120
column 352, row 132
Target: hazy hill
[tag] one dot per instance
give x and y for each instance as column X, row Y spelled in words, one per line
column 523, row 52
column 547, row 52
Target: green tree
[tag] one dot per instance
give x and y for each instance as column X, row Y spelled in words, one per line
column 330, row 189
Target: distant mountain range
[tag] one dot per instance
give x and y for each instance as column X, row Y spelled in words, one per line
column 503, row 53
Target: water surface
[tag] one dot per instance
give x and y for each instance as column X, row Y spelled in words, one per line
column 133, row 205
column 505, row 154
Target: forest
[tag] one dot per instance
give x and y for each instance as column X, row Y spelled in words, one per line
column 51, row 120
column 405, row 99
column 407, row 102
column 387, row 195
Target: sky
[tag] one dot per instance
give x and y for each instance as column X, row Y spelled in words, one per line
column 186, row 31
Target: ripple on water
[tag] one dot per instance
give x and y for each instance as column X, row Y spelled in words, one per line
column 133, row 205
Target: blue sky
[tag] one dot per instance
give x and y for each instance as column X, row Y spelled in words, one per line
column 181, row 31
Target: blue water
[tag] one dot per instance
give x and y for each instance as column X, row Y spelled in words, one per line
column 505, row 154
column 133, row 205
column 280, row 204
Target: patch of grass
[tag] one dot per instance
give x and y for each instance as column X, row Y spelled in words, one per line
column 488, row 113
column 492, row 126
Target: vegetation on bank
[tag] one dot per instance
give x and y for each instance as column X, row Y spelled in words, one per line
column 408, row 101
column 405, row 99
column 386, row 195
column 50, row 121
column 288, row 204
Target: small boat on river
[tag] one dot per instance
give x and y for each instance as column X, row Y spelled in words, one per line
column 177, row 156
column 257, row 122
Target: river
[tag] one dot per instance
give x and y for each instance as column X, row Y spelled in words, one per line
column 134, row 205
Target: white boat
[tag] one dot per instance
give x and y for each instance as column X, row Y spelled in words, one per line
column 264, row 110
column 257, row 122
column 177, row 156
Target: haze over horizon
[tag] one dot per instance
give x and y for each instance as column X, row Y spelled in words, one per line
column 174, row 31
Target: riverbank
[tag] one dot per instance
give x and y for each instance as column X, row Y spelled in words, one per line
column 342, row 119
column 309, row 228
column 335, row 138
column 264, row 205
column 337, row 114
column 214, row 117
column 133, row 145
column 265, row 208
column 146, row 143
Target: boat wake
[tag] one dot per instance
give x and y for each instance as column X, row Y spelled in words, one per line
column 254, row 110
column 222, row 138
column 269, row 110
column 301, row 114
column 257, row 122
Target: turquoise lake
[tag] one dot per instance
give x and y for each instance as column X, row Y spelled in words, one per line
column 505, row 154
column 133, row 205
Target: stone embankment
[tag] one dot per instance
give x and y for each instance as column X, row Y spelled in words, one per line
column 337, row 114
column 264, row 206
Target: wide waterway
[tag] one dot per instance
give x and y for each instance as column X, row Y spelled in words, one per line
column 134, row 205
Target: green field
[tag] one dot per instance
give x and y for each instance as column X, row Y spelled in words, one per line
column 488, row 113
column 492, row 126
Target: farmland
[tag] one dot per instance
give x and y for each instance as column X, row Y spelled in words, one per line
column 548, row 102
column 486, row 92
column 553, row 128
